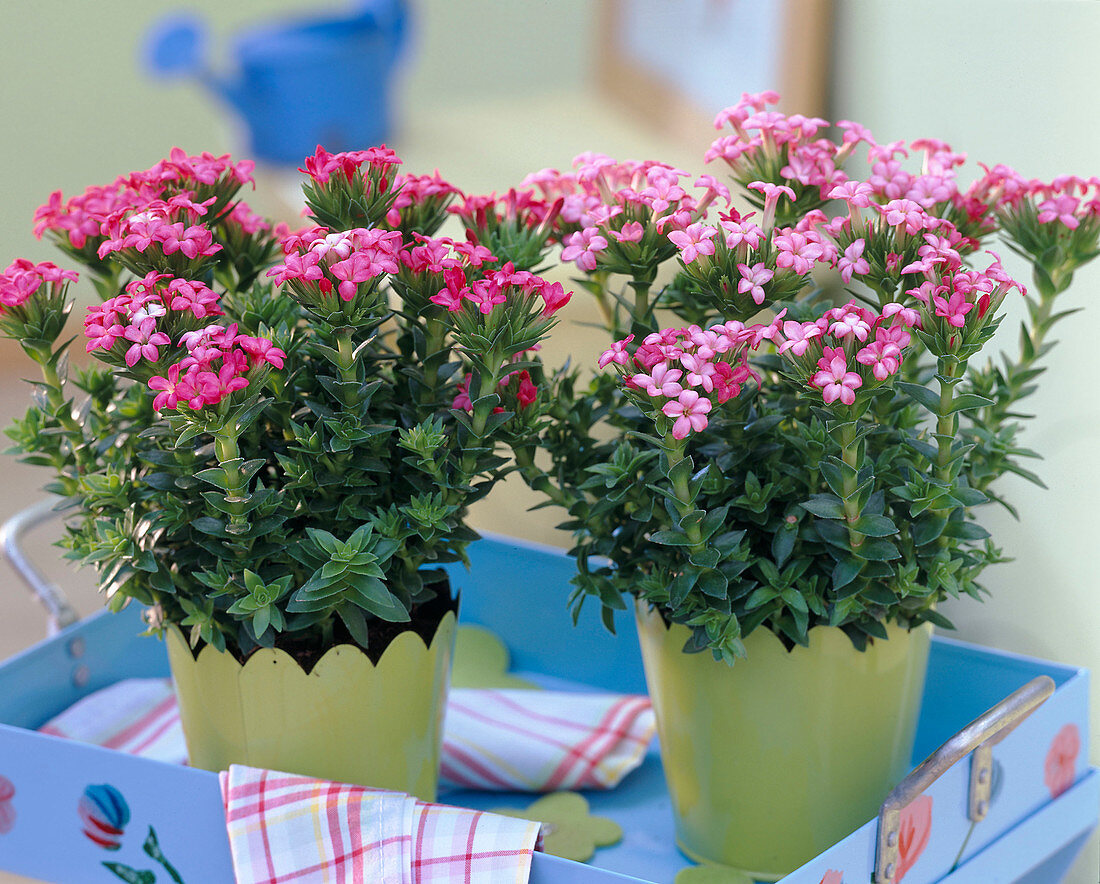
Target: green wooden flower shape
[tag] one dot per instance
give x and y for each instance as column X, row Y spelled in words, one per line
column 568, row 829
column 708, row 874
column 481, row 661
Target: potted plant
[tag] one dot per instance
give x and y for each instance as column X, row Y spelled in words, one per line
column 280, row 444
column 789, row 475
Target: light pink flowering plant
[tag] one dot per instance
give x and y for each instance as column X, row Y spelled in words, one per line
column 812, row 444
column 287, row 429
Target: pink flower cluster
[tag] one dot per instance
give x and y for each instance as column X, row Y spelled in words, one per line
column 96, row 214
column 683, row 372
column 414, row 190
column 187, row 171
column 965, row 299
column 610, row 205
column 317, row 261
column 145, row 314
column 23, row 278
column 481, row 213
column 174, row 225
column 217, row 364
column 497, row 287
column 847, row 347
column 323, row 165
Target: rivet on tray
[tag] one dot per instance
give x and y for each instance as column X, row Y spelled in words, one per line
column 891, row 839
column 81, row 676
column 889, row 873
column 76, row 647
column 983, row 775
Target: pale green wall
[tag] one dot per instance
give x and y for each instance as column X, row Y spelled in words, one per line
column 1011, row 82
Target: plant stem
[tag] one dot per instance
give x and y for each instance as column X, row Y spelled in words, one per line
column 236, row 495
column 641, row 297
column 947, row 423
column 675, row 451
column 849, row 453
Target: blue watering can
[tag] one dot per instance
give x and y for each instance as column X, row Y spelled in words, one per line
column 297, row 83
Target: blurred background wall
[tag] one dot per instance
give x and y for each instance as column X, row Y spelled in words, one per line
column 490, row 91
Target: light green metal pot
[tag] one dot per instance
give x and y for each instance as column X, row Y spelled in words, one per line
column 347, row 720
column 778, row 757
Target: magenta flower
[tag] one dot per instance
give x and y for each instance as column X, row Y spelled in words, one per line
column 661, row 381
column 753, row 279
column 798, row 336
column 833, row 378
column 954, row 310
column 145, row 339
column 617, row 353
column 849, row 320
column 883, row 358
column 261, row 350
column 582, row 248
column 632, row 231
column 693, row 241
column 1061, row 208
column 797, row 251
column 852, row 261
column 690, row 410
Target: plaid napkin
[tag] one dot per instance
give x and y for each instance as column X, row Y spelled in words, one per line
column 511, row 740
column 285, row 828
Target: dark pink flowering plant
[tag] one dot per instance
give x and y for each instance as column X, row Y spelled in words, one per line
column 812, row 444
column 286, row 429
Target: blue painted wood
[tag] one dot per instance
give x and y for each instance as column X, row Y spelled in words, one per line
column 519, row 591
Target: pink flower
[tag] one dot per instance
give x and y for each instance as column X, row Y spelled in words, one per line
column 753, row 279
column 690, row 411
column 261, row 350
column 915, row 826
column 617, row 353
column 883, row 358
column 798, row 336
column 834, row 380
column 555, row 297
column 693, row 241
column 582, row 248
column 850, row 320
column 953, row 310
column 905, row 212
column 661, row 381
column 484, row 295
column 1060, row 208
column 146, row 340
column 853, row 261
column 832, row 877
column 632, row 231
column 909, row 316
column 797, row 251
column 1059, row 768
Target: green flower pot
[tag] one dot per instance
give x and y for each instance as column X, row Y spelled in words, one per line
column 347, row 719
column 778, row 757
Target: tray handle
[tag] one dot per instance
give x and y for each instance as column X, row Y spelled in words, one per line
column 979, row 737
column 61, row 613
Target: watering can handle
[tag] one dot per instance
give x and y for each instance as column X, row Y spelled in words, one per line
column 979, row 737
column 61, row 612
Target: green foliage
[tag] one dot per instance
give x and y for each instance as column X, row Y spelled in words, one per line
column 315, row 503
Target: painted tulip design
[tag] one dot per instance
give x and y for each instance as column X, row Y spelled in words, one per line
column 1062, row 760
column 104, row 813
column 916, row 826
column 7, row 810
column 833, row 877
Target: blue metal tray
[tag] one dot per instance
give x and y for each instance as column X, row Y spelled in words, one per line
column 516, row 589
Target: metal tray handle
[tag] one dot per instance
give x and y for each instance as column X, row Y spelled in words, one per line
column 12, row 532
column 979, row 737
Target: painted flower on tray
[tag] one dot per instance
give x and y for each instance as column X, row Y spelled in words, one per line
column 1058, row 772
column 104, row 813
column 7, row 810
column 916, row 826
column 833, row 877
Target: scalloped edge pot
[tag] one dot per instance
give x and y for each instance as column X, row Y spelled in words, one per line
column 780, row 756
column 348, row 720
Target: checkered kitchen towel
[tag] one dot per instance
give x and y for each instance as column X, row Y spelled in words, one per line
column 285, row 828
column 511, row 740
